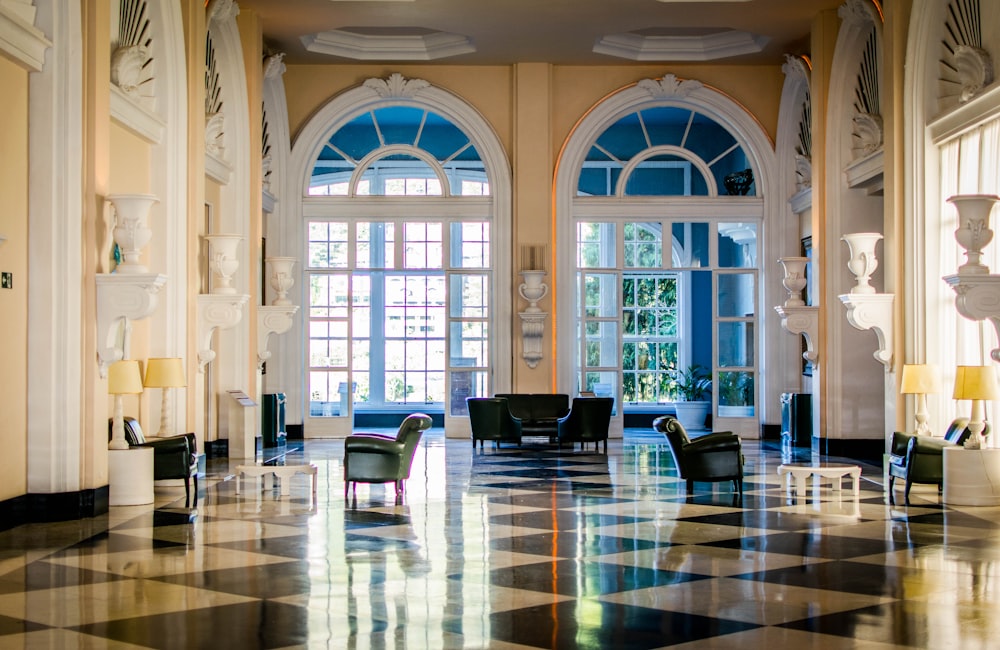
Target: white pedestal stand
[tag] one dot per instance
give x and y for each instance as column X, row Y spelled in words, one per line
column 971, row 476
column 130, row 476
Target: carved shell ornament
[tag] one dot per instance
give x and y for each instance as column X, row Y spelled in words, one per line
column 215, row 125
column 975, row 70
column 127, row 67
column 803, row 172
column 669, row 86
column 867, row 134
column 396, row 86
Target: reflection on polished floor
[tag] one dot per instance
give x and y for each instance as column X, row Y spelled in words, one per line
column 529, row 548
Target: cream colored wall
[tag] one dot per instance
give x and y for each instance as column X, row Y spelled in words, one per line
column 14, row 302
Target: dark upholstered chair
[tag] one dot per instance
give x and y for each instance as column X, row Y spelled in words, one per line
column 374, row 458
column 588, row 420
column 713, row 457
column 491, row 420
column 918, row 459
column 173, row 456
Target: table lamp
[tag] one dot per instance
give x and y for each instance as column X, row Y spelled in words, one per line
column 920, row 380
column 165, row 374
column 124, row 378
column 976, row 383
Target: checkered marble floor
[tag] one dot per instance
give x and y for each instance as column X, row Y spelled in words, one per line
column 511, row 548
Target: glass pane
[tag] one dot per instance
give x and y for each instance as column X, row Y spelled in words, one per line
column 466, row 383
column 325, row 398
column 600, row 290
column 595, row 245
column 422, row 245
column 643, row 245
column 374, row 245
column 736, row 295
column 470, row 244
column 328, row 245
column 602, row 344
column 328, row 296
column 690, row 245
column 738, row 245
column 469, row 293
column 469, row 344
column 665, row 175
column 735, row 344
column 736, row 389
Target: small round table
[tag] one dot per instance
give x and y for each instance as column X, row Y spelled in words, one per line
column 835, row 471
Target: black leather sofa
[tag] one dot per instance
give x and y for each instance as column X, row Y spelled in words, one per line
column 539, row 413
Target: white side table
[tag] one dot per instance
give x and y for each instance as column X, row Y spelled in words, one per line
column 130, row 476
column 971, row 476
column 834, row 471
column 284, row 473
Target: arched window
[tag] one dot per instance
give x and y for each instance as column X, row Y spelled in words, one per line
column 665, row 216
column 400, row 232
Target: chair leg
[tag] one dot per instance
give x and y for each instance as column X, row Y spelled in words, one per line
column 194, row 497
column 690, row 485
column 906, row 492
column 187, row 493
column 892, row 493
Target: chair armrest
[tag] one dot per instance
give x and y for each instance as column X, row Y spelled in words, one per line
column 928, row 445
column 173, row 443
column 718, row 441
column 373, row 445
column 900, row 441
column 376, row 436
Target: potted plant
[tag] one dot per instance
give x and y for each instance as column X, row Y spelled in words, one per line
column 692, row 388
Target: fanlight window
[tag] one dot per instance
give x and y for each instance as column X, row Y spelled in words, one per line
column 662, row 151
column 419, row 153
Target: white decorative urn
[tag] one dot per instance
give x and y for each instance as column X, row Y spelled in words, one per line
column 863, row 261
column 533, row 289
column 131, row 230
column 795, row 279
column 222, row 261
column 973, row 231
column 281, row 278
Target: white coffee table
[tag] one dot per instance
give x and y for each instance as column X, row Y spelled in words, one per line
column 284, row 473
column 834, row 471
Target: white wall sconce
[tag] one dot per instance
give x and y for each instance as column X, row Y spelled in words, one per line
column 977, row 291
column 223, row 262
column 131, row 230
column 276, row 318
column 796, row 316
column 867, row 309
column 532, row 289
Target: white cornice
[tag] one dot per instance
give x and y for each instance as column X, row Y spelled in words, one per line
column 406, row 47
column 139, row 120
column 709, row 47
column 20, row 40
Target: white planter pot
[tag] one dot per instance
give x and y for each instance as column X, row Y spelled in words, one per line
column 223, row 262
column 131, row 231
column 692, row 414
column 281, row 278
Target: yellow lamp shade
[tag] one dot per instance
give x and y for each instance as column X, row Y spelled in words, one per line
column 165, row 373
column 920, row 379
column 124, row 377
column 976, row 383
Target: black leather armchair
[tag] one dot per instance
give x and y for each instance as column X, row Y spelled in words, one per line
column 713, row 457
column 173, row 456
column 373, row 458
column 918, row 459
column 588, row 420
column 490, row 419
